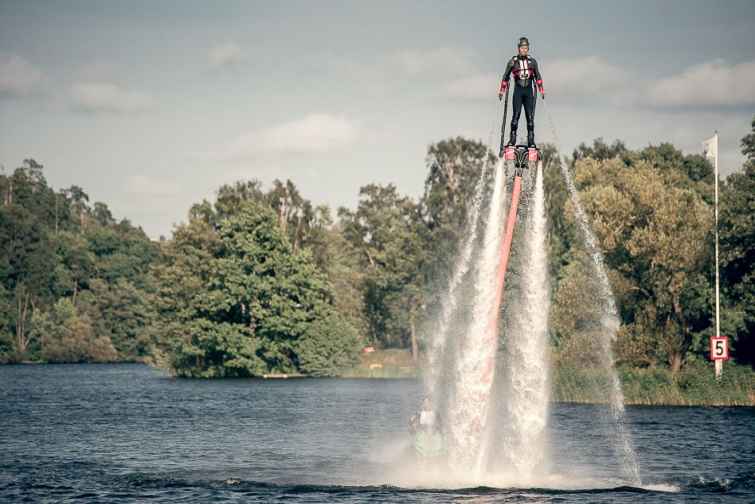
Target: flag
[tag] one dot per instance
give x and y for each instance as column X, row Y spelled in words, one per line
column 711, row 147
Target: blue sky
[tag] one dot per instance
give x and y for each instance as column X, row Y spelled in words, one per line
column 150, row 106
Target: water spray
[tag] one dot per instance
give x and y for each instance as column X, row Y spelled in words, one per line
column 610, row 322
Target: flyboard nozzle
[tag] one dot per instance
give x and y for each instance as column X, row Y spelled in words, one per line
column 522, row 155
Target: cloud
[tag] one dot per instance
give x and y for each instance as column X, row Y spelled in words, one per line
column 108, row 98
column 474, row 87
column 709, row 84
column 715, row 83
column 589, row 76
column 314, row 133
column 442, row 61
column 224, row 55
column 151, row 186
column 580, row 77
column 18, row 77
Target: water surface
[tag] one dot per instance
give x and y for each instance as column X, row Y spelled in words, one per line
column 128, row 433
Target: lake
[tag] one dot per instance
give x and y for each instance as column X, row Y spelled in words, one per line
column 129, row 433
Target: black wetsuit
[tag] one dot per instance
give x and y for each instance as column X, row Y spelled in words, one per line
column 526, row 75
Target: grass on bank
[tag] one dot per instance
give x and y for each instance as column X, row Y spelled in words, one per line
column 694, row 386
column 390, row 363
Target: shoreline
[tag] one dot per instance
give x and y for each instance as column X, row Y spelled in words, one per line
column 668, row 395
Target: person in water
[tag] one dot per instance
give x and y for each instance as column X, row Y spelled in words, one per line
column 526, row 74
column 425, row 426
column 425, row 419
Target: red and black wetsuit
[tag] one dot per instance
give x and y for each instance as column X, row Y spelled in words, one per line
column 526, row 74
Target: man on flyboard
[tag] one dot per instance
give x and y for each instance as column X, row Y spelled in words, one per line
column 526, row 74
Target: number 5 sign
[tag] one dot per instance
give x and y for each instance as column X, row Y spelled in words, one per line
column 719, row 348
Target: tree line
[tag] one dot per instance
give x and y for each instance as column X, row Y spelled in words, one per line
column 652, row 211
column 263, row 281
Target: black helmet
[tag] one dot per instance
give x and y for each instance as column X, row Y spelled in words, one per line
column 523, row 42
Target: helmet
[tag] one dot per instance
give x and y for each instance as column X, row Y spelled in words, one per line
column 523, row 42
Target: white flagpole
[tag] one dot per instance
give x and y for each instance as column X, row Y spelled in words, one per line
column 719, row 362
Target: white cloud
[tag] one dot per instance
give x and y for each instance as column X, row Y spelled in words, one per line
column 566, row 78
column 314, row 133
column 226, row 54
column 714, row 83
column 106, row 97
column 439, row 62
column 589, row 76
column 99, row 71
column 709, row 84
column 18, row 77
column 474, row 87
column 151, row 186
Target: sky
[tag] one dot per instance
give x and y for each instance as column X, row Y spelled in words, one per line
column 150, row 106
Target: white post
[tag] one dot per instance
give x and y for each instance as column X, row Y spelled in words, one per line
column 719, row 363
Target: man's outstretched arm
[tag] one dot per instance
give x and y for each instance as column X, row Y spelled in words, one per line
column 539, row 79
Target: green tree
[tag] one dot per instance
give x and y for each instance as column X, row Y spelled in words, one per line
column 67, row 336
column 122, row 312
column 121, row 251
column 600, row 150
column 102, row 214
column 386, row 229
column 7, row 345
column 26, row 269
column 737, row 237
column 454, row 169
column 240, row 302
column 75, row 264
column 655, row 233
column 53, row 249
column 79, row 201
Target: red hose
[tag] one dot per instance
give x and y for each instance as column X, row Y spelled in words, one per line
column 492, row 329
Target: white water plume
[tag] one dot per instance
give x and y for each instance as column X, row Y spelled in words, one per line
column 526, row 371
column 463, row 350
column 610, row 323
column 450, row 299
column 475, row 361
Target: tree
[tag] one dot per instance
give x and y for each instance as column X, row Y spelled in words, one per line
column 121, row 251
column 748, row 143
column 102, row 214
column 79, row 203
column 600, row 150
column 454, row 169
column 26, row 268
column 239, row 302
column 386, row 229
column 655, row 234
column 7, row 346
column 737, row 237
column 75, row 264
column 340, row 261
column 561, row 230
column 67, row 336
column 122, row 312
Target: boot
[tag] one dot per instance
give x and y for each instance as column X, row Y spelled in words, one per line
column 531, row 139
column 512, row 138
